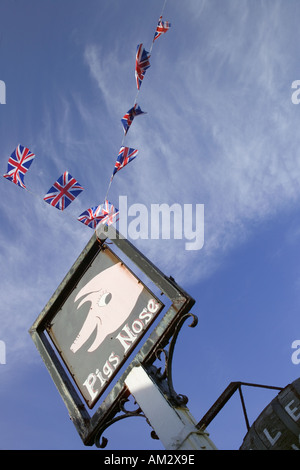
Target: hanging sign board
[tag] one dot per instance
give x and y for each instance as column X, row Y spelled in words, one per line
column 95, row 319
column 101, row 321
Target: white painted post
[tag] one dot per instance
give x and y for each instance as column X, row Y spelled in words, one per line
column 175, row 427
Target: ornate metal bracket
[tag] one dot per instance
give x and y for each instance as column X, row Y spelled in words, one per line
column 126, row 414
column 165, row 379
column 162, row 378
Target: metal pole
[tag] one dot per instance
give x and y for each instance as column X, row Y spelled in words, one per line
column 175, row 427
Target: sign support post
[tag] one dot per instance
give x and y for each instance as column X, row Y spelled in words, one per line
column 174, row 426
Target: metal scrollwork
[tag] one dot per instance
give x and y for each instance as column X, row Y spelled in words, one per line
column 126, row 414
column 165, row 379
column 162, row 378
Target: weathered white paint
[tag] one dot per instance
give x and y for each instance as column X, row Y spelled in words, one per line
column 175, row 427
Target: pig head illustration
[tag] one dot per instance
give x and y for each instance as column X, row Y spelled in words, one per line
column 112, row 295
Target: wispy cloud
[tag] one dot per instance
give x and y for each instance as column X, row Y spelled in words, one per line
column 220, row 131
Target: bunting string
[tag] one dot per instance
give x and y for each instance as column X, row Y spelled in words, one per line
column 142, row 63
column 66, row 188
column 160, row 19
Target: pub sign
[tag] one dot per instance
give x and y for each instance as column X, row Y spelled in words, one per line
column 101, row 321
column 95, row 319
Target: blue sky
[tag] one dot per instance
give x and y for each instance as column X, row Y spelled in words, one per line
column 220, row 130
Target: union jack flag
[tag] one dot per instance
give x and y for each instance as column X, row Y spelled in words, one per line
column 109, row 213
column 63, row 191
column 91, row 216
column 141, row 64
column 18, row 164
column 125, row 156
column 162, row 27
column 104, row 213
column 129, row 116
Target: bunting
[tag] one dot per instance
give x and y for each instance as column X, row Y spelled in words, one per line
column 63, row 191
column 129, row 116
column 109, row 213
column 126, row 155
column 18, row 165
column 104, row 213
column 162, row 27
column 91, row 217
column 142, row 63
column 66, row 188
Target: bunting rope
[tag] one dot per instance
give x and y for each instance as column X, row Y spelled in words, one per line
column 66, row 188
column 160, row 16
column 142, row 57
